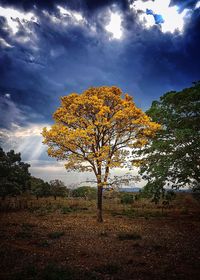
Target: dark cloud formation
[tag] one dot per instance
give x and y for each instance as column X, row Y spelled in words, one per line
column 58, row 52
column 9, row 112
column 55, row 55
column 184, row 4
column 89, row 5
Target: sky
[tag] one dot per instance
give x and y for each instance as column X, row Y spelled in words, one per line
column 51, row 48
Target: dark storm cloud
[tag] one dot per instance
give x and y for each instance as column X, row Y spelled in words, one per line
column 184, row 4
column 9, row 112
column 89, row 5
column 38, row 77
column 61, row 58
column 22, row 78
column 175, row 56
column 56, row 55
column 51, row 5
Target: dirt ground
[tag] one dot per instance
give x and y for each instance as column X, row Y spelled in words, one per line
column 74, row 246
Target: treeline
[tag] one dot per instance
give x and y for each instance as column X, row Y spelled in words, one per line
column 57, row 188
column 15, row 179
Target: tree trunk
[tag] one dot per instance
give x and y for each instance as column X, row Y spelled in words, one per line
column 99, row 204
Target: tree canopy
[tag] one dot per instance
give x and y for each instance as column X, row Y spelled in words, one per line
column 14, row 174
column 94, row 130
column 172, row 159
column 39, row 188
column 57, row 188
column 85, row 191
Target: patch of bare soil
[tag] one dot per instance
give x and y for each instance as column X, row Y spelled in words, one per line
column 75, row 246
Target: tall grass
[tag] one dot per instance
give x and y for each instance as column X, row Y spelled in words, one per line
column 182, row 204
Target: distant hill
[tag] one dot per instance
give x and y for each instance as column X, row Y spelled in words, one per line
column 136, row 189
column 130, row 189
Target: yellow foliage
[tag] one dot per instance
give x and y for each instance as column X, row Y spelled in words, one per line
column 92, row 130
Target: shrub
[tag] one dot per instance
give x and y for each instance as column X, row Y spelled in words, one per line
column 56, row 234
column 129, row 236
column 44, row 244
column 66, row 210
column 103, row 234
column 126, row 198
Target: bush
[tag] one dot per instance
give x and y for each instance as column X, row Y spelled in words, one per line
column 66, row 210
column 56, row 234
column 129, row 236
column 44, row 244
column 126, row 198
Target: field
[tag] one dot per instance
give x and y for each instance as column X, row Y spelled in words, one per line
column 60, row 239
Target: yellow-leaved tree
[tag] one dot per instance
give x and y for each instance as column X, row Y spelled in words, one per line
column 95, row 130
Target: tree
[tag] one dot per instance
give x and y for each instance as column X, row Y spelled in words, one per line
column 156, row 192
column 57, row 188
column 86, row 192
column 126, row 198
column 39, row 188
column 172, row 159
column 93, row 131
column 14, row 174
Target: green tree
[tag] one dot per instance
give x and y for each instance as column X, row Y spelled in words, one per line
column 126, row 198
column 85, row 191
column 14, row 174
column 155, row 193
column 39, row 188
column 172, row 159
column 57, row 188
column 93, row 130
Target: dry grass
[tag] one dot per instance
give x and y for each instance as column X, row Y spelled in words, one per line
column 125, row 246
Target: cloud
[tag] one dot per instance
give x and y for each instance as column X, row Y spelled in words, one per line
column 24, row 139
column 9, row 112
column 50, row 170
column 66, row 48
column 168, row 17
column 16, row 18
column 184, row 4
column 4, row 44
column 28, row 141
column 114, row 26
column 69, row 49
column 13, row 114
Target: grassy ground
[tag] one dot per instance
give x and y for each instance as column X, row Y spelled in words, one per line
column 59, row 240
